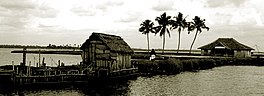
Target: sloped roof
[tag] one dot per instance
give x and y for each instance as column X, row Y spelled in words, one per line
column 228, row 43
column 113, row 42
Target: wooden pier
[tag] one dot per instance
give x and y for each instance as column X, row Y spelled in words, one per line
column 55, row 75
column 62, row 78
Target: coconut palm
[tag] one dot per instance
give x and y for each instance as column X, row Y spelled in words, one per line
column 162, row 28
column 180, row 24
column 146, row 27
column 198, row 24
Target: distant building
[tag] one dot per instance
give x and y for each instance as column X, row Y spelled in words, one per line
column 107, row 52
column 226, row 47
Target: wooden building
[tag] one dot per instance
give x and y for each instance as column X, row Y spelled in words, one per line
column 106, row 52
column 226, row 47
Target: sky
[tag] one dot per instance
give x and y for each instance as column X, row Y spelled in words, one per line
column 43, row 22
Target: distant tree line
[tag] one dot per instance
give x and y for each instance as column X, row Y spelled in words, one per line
column 50, row 46
column 21, row 46
column 66, row 46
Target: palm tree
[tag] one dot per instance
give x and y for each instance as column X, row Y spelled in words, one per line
column 164, row 22
column 146, row 27
column 197, row 24
column 179, row 23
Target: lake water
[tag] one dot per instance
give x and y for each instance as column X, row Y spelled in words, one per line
column 219, row 81
column 6, row 57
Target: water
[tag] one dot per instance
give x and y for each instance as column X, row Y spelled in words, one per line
column 6, row 57
column 219, row 81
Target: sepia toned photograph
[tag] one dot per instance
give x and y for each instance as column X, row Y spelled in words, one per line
column 131, row 48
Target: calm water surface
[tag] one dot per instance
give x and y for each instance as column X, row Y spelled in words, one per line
column 6, row 57
column 220, row 81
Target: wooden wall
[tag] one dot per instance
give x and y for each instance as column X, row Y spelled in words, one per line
column 235, row 53
column 242, row 53
column 95, row 47
column 105, row 58
column 122, row 61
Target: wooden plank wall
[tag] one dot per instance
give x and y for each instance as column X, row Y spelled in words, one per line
column 118, row 61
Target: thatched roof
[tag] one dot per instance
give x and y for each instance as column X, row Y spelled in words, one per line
column 113, row 42
column 228, row 43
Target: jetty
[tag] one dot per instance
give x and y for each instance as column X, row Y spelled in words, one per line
column 105, row 57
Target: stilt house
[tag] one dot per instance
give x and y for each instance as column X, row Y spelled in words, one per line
column 104, row 51
column 226, row 47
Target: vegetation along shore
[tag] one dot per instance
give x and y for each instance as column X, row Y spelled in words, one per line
column 171, row 66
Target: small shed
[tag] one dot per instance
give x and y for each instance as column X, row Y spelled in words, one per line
column 104, row 51
column 226, row 47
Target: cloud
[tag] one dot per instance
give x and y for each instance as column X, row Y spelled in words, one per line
column 109, row 3
column 12, row 22
column 130, row 16
column 46, row 26
column 246, row 16
column 26, row 8
column 17, row 4
column 221, row 3
column 57, row 21
column 84, row 11
column 164, row 5
column 19, row 15
column 45, row 12
column 95, row 7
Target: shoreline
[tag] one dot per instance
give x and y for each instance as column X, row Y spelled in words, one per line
column 173, row 66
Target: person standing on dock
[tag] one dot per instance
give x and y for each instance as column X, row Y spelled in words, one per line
column 152, row 55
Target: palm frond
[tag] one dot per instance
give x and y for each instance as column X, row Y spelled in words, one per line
column 141, row 29
column 206, row 28
column 146, row 27
column 168, row 31
column 157, row 29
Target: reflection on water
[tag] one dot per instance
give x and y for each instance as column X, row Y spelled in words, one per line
column 92, row 89
column 56, row 93
column 220, row 81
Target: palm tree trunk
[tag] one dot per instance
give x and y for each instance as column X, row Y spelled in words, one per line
column 179, row 41
column 193, row 42
column 163, row 44
column 148, row 42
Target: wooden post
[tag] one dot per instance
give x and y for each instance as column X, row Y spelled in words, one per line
column 95, row 54
column 58, row 63
column 24, row 56
column 39, row 59
column 29, row 68
column 43, row 62
column 34, row 61
column 17, row 70
column 13, row 66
